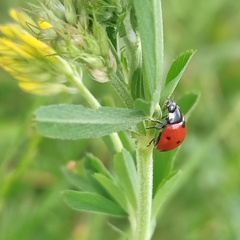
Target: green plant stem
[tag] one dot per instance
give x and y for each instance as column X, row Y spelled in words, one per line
column 116, row 142
column 93, row 102
column 145, row 173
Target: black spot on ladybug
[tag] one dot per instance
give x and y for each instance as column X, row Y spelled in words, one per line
column 183, row 124
column 178, row 142
column 168, row 138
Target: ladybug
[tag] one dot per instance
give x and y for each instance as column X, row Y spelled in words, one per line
column 173, row 128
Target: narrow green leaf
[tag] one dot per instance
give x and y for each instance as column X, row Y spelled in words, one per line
column 127, row 141
column 132, row 51
column 95, row 165
column 162, row 166
column 188, row 102
column 84, row 178
column 76, row 121
column 142, row 106
column 92, row 202
column 136, row 83
column 127, row 175
column 164, row 191
column 179, row 65
column 113, row 189
column 175, row 73
column 122, row 90
column 124, row 235
column 149, row 18
column 80, row 182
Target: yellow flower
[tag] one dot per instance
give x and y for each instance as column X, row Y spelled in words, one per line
column 39, row 88
column 22, row 19
column 44, row 25
column 32, row 62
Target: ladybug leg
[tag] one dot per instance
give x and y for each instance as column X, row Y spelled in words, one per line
column 163, row 124
column 156, row 121
column 158, row 128
column 153, row 140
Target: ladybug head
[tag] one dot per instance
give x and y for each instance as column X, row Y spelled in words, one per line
column 171, row 106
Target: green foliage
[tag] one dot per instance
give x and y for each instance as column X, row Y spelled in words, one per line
column 76, row 121
column 95, row 182
column 92, row 202
column 128, row 191
column 205, row 196
column 188, row 102
column 164, row 190
column 149, row 18
column 175, row 73
column 113, row 189
column 127, row 175
column 119, row 42
column 84, row 179
column 93, row 164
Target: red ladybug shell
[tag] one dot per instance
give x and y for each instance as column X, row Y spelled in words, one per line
column 171, row 136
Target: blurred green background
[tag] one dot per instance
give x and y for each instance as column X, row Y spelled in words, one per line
column 207, row 203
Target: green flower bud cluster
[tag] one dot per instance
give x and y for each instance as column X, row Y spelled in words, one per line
column 77, row 35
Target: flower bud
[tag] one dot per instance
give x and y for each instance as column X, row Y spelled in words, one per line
column 70, row 12
column 99, row 75
column 101, row 38
column 112, row 62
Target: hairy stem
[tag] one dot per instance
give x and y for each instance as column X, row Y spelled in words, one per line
column 92, row 101
column 145, row 173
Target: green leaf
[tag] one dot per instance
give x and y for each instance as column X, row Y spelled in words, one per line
column 132, row 51
column 122, row 90
column 175, row 73
column 162, row 166
column 127, row 141
column 142, row 106
column 76, row 121
column 164, row 191
column 113, row 189
column 92, row 202
column 149, row 18
column 95, row 165
column 127, row 175
column 80, row 182
column 84, row 178
column 188, row 102
column 136, row 83
column 123, row 234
